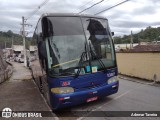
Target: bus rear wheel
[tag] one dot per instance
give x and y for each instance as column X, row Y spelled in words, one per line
column 48, row 99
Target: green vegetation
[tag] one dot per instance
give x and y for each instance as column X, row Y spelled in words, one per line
column 6, row 39
column 148, row 35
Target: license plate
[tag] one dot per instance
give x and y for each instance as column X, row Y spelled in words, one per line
column 92, row 99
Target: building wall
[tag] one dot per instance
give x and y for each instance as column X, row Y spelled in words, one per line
column 124, row 46
column 5, row 69
column 142, row 65
column 18, row 47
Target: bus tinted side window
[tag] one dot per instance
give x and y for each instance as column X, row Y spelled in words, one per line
column 41, row 47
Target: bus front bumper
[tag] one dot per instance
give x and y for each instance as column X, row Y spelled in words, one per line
column 75, row 98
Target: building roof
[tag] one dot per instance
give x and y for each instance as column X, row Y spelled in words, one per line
column 146, row 48
column 124, row 46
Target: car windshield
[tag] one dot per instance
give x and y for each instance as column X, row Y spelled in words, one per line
column 78, row 43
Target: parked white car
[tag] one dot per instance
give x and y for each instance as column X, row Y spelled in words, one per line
column 20, row 58
column 32, row 58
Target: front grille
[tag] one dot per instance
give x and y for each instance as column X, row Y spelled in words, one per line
column 90, row 87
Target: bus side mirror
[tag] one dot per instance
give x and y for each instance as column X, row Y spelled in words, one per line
column 112, row 33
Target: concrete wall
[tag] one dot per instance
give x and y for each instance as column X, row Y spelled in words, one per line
column 5, row 74
column 5, row 70
column 142, row 65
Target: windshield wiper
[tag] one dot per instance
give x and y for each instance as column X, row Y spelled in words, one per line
column 83, row 55
column 92, row 55
column 67, row 73
column 97, row 58
column 80, row 64
column 62, row 74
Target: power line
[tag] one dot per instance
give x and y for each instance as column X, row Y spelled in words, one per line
column 112, row 7
column 36, row 10
column 85, row 4
column 91, row 6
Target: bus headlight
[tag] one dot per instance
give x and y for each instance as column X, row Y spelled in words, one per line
column 62, row 90
column 112, row 79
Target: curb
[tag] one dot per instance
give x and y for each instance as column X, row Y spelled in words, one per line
column 9, row 63
column 141, row 81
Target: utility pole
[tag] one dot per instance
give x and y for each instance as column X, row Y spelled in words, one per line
column 12, row 43
column 131, row 44
column 5, row 50
column 139, row 40
column 5, row 45
column 24, row 41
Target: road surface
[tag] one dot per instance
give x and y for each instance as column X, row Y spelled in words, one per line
column 132, row 96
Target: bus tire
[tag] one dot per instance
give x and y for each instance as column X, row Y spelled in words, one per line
column 41, row 85
column 46, row 93
column 48, row 99
column 32, row 74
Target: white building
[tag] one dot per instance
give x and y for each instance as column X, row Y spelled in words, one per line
column 124, row 46
column 17, row 49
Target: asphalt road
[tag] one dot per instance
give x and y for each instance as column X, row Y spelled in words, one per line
column 132, row 96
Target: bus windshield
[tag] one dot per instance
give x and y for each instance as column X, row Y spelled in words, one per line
column 75, row 43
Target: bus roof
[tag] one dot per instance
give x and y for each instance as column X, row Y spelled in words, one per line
column 70, row 15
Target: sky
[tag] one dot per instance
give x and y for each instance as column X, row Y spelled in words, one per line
column 133, row 15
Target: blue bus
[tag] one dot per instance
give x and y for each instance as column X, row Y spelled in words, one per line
column 76, row 61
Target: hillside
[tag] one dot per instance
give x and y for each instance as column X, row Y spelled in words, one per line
column 147, row 35
column 6, row 39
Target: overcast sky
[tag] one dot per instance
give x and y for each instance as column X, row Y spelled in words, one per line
column 133, row 15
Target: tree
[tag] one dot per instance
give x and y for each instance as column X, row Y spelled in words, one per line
column 117, row 40
column 147, row 35
column 9, row 33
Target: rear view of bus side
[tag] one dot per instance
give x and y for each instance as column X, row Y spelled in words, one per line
column 76, row 59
